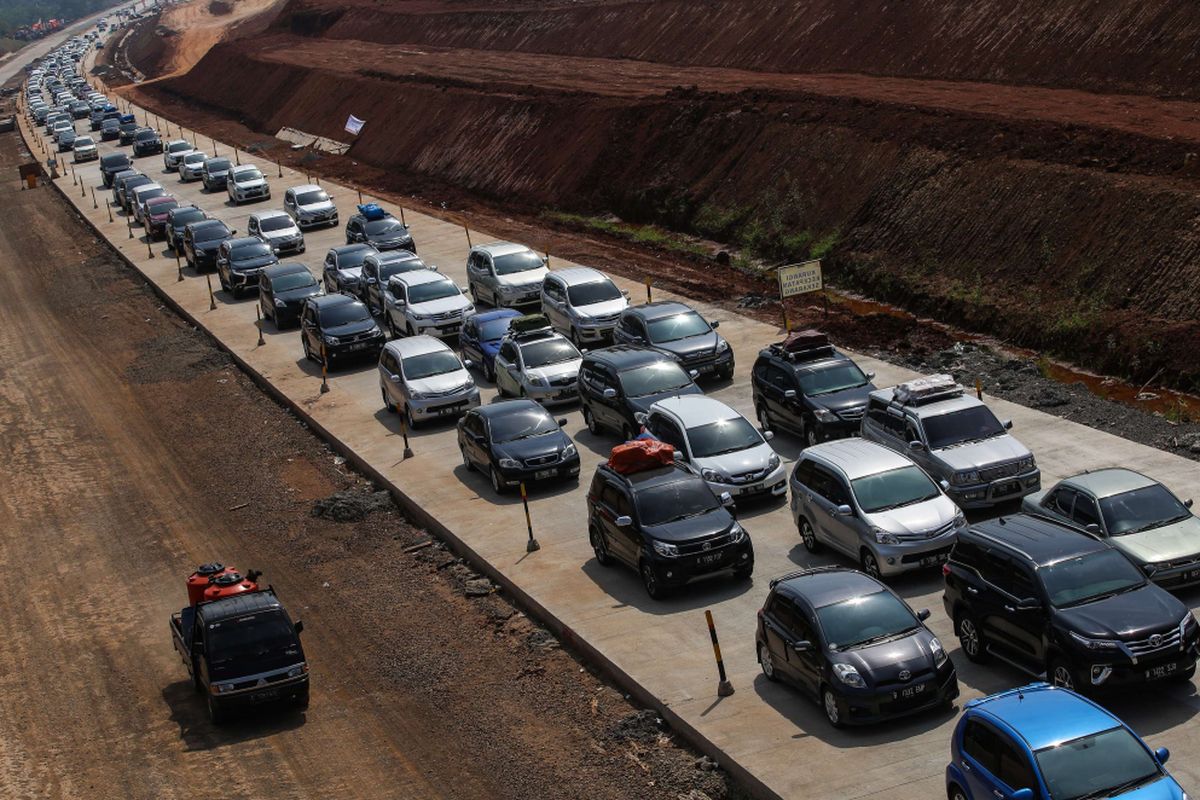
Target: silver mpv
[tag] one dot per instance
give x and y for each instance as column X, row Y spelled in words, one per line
column 873, row 505
column 423, row 379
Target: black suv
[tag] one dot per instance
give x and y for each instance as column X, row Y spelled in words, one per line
column 178, row 219
column 282, row 291
column 516, row 441
column 806, row 386
column 853, row 645
column 110, row 165
column 677, row 330
column 618, row 383
column 239, row 262
column 667, row 524
column 1045, row 598
column 146, row 142
column 126, row 131
column 202, row 240
column 339, row 326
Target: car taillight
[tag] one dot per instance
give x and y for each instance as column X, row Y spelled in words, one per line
column 945, row 570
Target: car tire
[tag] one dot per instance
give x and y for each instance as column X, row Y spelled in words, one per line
column 829, row 706
column 489, row 370
column 599, row 548
column 764, row 420
column 956, row 792
column 307, row 350
column 650, row 582
column 589, row 419
column 627, row 433
column 216, row 714
column 494, row 475
column 808, row 535
column 1059, row 673
column 970, row 638
column 387, row 404
column 1183, row 677
column 869, row 564
column 743, row 573
column 767, row 662
column 408, row 419
column 470, row 467
column 222, row 281
column 474, row 294
column 810, row 434
column 408, row 329
column 575, row 338
column 301, row 703
column 391, row 326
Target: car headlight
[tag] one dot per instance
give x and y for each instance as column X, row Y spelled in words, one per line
column 847, row 674
column 1187, row 623
column 965, row 477
column 506, row 291
column 416, row 316
column 737, row 533
column 1028, row 462
column 884, row 537
column 298, row 670
column 376, row 330
column 711, row 475
column 222, row 688
column 537, row 380
column 1095, row 644
column 279, row 303
column 939, row 652
column 666, row 549
column 773, row 462
column 722, row 345
column 329, row 339
column 960, row 519
column 509, row 463
column 825, row 415
column 416, row 395
column 468, row 309
column 569, row 451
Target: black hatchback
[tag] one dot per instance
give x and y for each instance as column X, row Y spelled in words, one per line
column 202, row 240
column 337, row 327
column 515, row 442
column 619, row 383
column 282, row 290
column 853, row 645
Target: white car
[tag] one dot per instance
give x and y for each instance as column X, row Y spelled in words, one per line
column 426, row 302
column 60, row 127
column 277, row 229
column 191, row 165
column 247, row 183
column 85, row 149
column 719, row 444
column 582, row 303
column 310, row 205
column 174, row 151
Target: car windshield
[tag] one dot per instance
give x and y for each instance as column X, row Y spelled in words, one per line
column 864, row 620
column 585, row 294
column 1141, row 509
column 217, row 164
column 834, row 378
column 657, row 378
column 398, row 266
column 144, row 135
column 353, row 259
column 308, row 198
column 293, row 280
column 253, row 250
column 434, row 290
column 517, row 262
column 972, row 424
column 117, row 160
column 494, row 329
column 726, row 436
column 249, row 175
column 256, row 634
column 1101, row 764
column 378, row 227
column 83, row 141
column 210, row 232
column 521, row 425
column 671, row 502
column 427, row 365
column 343, row 314
column 676, row 327
column 904, row 486
column 188, row 216
column 548, row 351
column 163, row 205
column 276, row 223
column 178, row 147
column 1090, row 577
column 194, row 158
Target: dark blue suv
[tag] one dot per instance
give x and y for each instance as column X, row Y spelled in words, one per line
column 1047, row 743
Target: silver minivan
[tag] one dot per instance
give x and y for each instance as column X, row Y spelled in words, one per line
column 873, row 505
column 423, row 379
column 582, row 304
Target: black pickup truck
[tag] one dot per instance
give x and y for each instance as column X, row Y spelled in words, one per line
column 242, row 651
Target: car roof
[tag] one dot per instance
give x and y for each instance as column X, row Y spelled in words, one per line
column 508, row 407
column 577, row 275
column 624, row 356
column 419, row 276
column 696, row 409
column 502, row 248
column 857, row 458
column 145, row 187
column 392, row 256
column 205, row 223
column 175, row 211
column 1038, row 539
column 290, row 268
column 1110, row 481
column 497, row 313
column 659, row 309
column 306, row 187
column 647, row 479
column 243, row 168
column 1044, row 715
column 826, row 586
column 417, row 345
column 342, row 250
column 174, row 142
column 242, row 240
column 261, row 215
column 930, row 409
column 238, row 606
column 336, row 299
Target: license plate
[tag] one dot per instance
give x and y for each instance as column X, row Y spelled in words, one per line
column 909, row 692
column 359, row 346
column 448, row 329
column 750, row 489
column 930, row 561
column 710, row 558
column 264, row 697
column 542, row 474
column 705, row 368
column 564, row 395
column 450, row 409
column 1162, row 671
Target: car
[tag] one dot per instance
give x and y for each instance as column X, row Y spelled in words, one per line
column 61, row 127
column 378, row 269
column 619, row 384
column 677, row 330
column 720, row 445
column 872, row 505
column 376, row 227
column 806, row 387
column 85, row 149
column 137, row 195
column 277, row 230
column 66, row 141
column 310, row 206
column 127, row 130
column 99, row 114
column 954, row 437
column 582, row 304
column 516, row 442
column 342, row 270
column 283, row 290
column 246, row 183
column 505, row 274
column 123, row 185
column 146, row 142
column 80, row 109
column 55, row 120
column 421, row 378
column 851, row 644
column 1135, row 514
column 110, row 129
column 239, row 262
column 155, row 213
column 1047, row 599
column 173, row 151
column 215, row 173
column 665, row 523
column 201, row 241
column 336, row 327
column 1040, row 741
column 191, row 166
column 425, row 302
column 481, row 335
column 177, row 220
column 537, row 363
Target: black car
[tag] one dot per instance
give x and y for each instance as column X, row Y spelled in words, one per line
column 378, row 269
column 667, row 524
column 677, row 330
column 380, row 230
column 1045, row 598
column 110, row 165
column 342, row 271
column 177, row 220
column 122, row 181
column 202, row 240
column 282, row 291
column 853, row 645
column 619, row 383
column 514, row 442
column 806, row 386
column 110, row 129
column 126, row 131
column 66, row 141
column 215, row 174
column 239, row 262
column 146, row 142
column 340, row 327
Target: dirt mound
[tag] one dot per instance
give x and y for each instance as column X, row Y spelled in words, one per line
column 352, row 506
column 219, row 8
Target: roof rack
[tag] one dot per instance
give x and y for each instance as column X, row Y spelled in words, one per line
column 529, row 325
column 372, row 211
column 929, row 389
column 800, row 346
column 800, row 573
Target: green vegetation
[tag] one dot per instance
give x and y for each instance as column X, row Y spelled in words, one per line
column 641, row 234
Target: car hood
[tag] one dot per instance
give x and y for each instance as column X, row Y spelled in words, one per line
column 441, row 305
column 643, row 404
column 714, row 523
column 606, row 309
column 692, row 345
column 218, row 173
column 441, row 383
column 916, row 519
column 1170, row 542
column 350, row 328
column 883, row 662
column 351, row 275
column 752, row 458
column 289, row 233
column 316, row 208
column 998, row 449
column 299, row 295
column 389, row 239
column 551, row 371
column 252, row 263
column 846, row 399
column 532, row 448
column 159, row 217
column 209, row 245
column 529, row 279
column 254, row 184
column 1133, row 615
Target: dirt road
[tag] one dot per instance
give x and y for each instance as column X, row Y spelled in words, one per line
column 131, row 451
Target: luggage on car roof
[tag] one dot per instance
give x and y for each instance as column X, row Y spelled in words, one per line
column 640, row 455
column 372, row 211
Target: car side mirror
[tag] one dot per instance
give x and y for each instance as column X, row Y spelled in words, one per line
column 1029, row 604
column 562, row 422
column 1162, row 754
column 1023, row 794
column 233, row 232
column 678, row 455
column 1008, row 424
column 790, row 394
column 923, row 614
column 693, row 373
column 371, row 281
column 610, row 393
column 393, row 377
column 299, row 627
column 1092, row 528
column 716, row 323
column 726, row 499
column 1187, row 503
column 844, row 510
column 915, row 445
column 768, row 435
column 468, row 363
column 802, row 646
column 624, row 521
column 870, row 376
column 945, row 484
column 625, row 293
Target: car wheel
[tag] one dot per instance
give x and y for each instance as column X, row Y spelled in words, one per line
column 408, row 419
column 627, row 433
column 650, row 582
column 957, row 794
column 589, row 419
column 1061, row 675
column 870, row 564
column 302, row 700
column 387, row 404
column 304, row 343
column 764, row 421
column 474, row 294
column 743, row 573
column 599, row 547
column 809, row 536
column 829, row 705
column 970, row 639
column 767, row 662
column 221, row 279
column 1183, row 677
column 497, row 486
column 489, row 370
column 216, row 714
column 575, row 338
column 408, row 330
column 466, row 459
column 810, row 434
column 391, row 326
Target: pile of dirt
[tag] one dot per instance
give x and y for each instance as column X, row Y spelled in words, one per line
column 219, row 8
column 352, row 505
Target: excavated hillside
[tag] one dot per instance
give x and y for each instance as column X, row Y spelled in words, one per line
column 1018, row 168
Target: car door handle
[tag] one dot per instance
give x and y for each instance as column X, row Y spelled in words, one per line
column 1010, row 609
column 966, row 767
column 998, row 793
column 972, row 590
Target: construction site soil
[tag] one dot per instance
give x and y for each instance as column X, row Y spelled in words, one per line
column 879, row 135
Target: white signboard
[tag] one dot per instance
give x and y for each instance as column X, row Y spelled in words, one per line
column 800, row 278
column 355, row 125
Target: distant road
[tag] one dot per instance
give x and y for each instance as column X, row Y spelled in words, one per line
column 41, row 47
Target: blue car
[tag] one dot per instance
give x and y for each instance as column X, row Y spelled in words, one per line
column 480, row 337
column 1045, row 743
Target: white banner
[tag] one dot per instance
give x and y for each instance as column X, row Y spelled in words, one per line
column 354, row 125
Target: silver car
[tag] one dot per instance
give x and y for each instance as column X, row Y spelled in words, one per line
column 246, row 183
column 278, row 230
column 173, row 151
column 505, row 274
column 85, row 149
column 310, row 206
column 425, row 302
column 423, row 379
column 872, row 505
column 1135, row 514
column 541, row 365
column 191, row 166
column 582, row 303
column 954, row 437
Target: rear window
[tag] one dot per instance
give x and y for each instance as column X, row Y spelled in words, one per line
column 276, row 223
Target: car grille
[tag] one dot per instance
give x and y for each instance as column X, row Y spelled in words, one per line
column 750, row 477
column 698, row 357
column 1152, row 644
column 281, row 676
column 1008, row 470
column 916, row 677
column 446, row 315
column 541, row 461
column 705, row 545
column 448, row 392
column 920, row 537
column 257, row 192
column 610, row 319
column 913, row 558
column 852, row 413
column 1189, row 562
column 356, row 337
